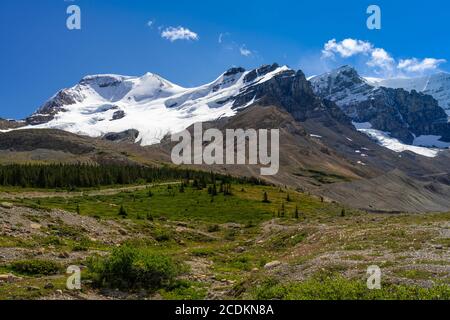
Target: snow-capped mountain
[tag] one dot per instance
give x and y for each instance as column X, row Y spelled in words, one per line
column 145, row 109
column 436, row 85
column 101, row 104
column 344, row 86
column 401, row 114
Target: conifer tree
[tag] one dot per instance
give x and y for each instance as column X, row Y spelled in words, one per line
column 265, row 198
column 122, row 212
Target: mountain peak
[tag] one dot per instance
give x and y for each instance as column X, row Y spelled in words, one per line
column 104, row 103
column 347, row 71
column 233, row 71
column 404, row 114
column 103, row 79
column 346, row 67
column 437, row 85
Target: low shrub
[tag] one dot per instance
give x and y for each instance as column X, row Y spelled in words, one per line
column 134, row 268
column 213, row 228
column 36, row 267
column 339, row 288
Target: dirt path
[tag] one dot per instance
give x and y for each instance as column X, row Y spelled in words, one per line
column 66, row 194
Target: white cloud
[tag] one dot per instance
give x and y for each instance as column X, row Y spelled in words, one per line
column 226, row 42
column 150, row 23
column 378, row 58
column 416, row 65
column 346, row 48
column 245, row 52
column 179, row 33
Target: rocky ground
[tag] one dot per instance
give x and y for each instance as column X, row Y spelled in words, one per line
column 409, row 249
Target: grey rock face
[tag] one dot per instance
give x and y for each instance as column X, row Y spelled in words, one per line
column 52, row 107
column 263, row 70
column 291, row 91
column 401, row 113
column 234, row 71
column 118, row 115
column 436, row 85
column 125, row 136
column 10, row 124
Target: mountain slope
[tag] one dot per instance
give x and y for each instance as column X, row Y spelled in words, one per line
column 321, row 151
column 436, row 85
column 337, row 162
column 404, row 115
column 153, row 106
column 10, row 124
column 56, row 146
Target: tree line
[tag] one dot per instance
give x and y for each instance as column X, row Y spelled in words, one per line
column 69, row 176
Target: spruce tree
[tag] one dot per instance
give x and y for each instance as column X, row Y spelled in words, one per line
column 122, row 212
column 265, row 198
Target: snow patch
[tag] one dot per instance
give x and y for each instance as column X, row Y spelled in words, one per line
column 385, row 140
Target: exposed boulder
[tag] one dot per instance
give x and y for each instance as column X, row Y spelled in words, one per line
column 118, row 115
column 124, row 136
column 272, row 265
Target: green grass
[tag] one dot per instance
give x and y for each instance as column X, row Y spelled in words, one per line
column 339, row 288
column 185, row 290
column 36, row 267
column 192, row 205
column 16, row 189
column 31, row 288
column 203, row 252
column 286, row 240
column 170, row 226
column 414, row 274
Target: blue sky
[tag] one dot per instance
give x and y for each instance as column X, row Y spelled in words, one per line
column 39, row 55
